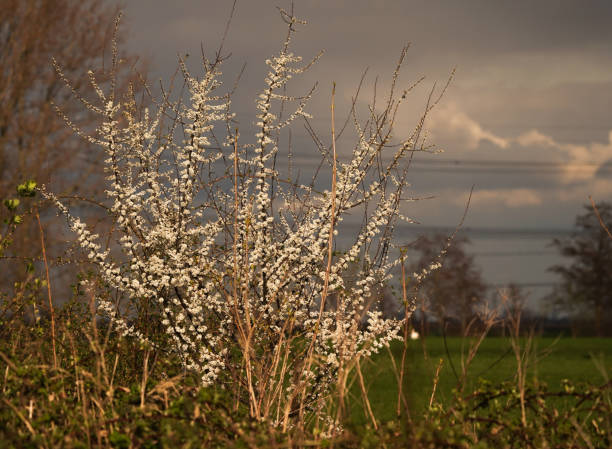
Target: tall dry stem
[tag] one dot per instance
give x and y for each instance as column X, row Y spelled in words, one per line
column 48, row 279
column 488, row 319
column 522, row 352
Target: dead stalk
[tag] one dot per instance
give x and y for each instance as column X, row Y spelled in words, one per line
column 400, row 392
column 309, row 358
column 401, row 397
column 435, row 382
column 490, row 319
column 145, row 375
column 20, row 415
column 51, row 309
column 520, row 354
column 364, row 395
column 245, row 334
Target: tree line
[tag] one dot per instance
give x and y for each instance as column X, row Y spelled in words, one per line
column 581, row 301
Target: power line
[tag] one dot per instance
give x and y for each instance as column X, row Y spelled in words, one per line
column 512, row 253
column 489, row 166
column 486, row 162
column 500, row 170
column 482, row 231
column 524, row 284
column 551, row 126
column 492, row 166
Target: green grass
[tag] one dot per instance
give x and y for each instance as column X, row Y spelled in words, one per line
column 576, row 359
column 42, row 406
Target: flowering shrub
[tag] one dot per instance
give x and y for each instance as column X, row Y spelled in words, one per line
column 235, row 260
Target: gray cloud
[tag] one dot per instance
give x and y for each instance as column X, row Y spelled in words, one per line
column 534, row 82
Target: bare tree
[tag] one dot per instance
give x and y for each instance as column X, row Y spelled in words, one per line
column 454, row 290
column 35, row 142
column 586, row 289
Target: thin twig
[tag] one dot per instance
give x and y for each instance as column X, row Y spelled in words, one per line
column 20, row 415
column 435, row 383
column 601, row 222
column 364, row 394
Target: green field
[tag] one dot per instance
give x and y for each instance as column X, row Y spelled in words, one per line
column 576, row 359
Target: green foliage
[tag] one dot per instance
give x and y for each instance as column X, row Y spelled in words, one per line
column 490, row 417
column 99, row 396
column 11, row 204
column 192, row 418
column 27, row 189
column 77, row 405
column 581, row 360
column 119, row 440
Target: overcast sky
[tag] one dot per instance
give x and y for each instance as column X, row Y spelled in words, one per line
column 533, row 91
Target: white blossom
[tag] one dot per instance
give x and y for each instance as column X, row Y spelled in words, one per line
column 223, row 266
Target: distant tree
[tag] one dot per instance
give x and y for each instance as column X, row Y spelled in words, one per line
column 35, row 142
column 514, row 299
column 454, row 290
column 586, row 289
column 514, row 308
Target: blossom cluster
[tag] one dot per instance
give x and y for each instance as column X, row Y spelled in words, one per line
column 197, row 237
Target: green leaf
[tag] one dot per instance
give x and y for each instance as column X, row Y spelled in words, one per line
column 28, row 188
column 119, row 440
column 11, row 204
